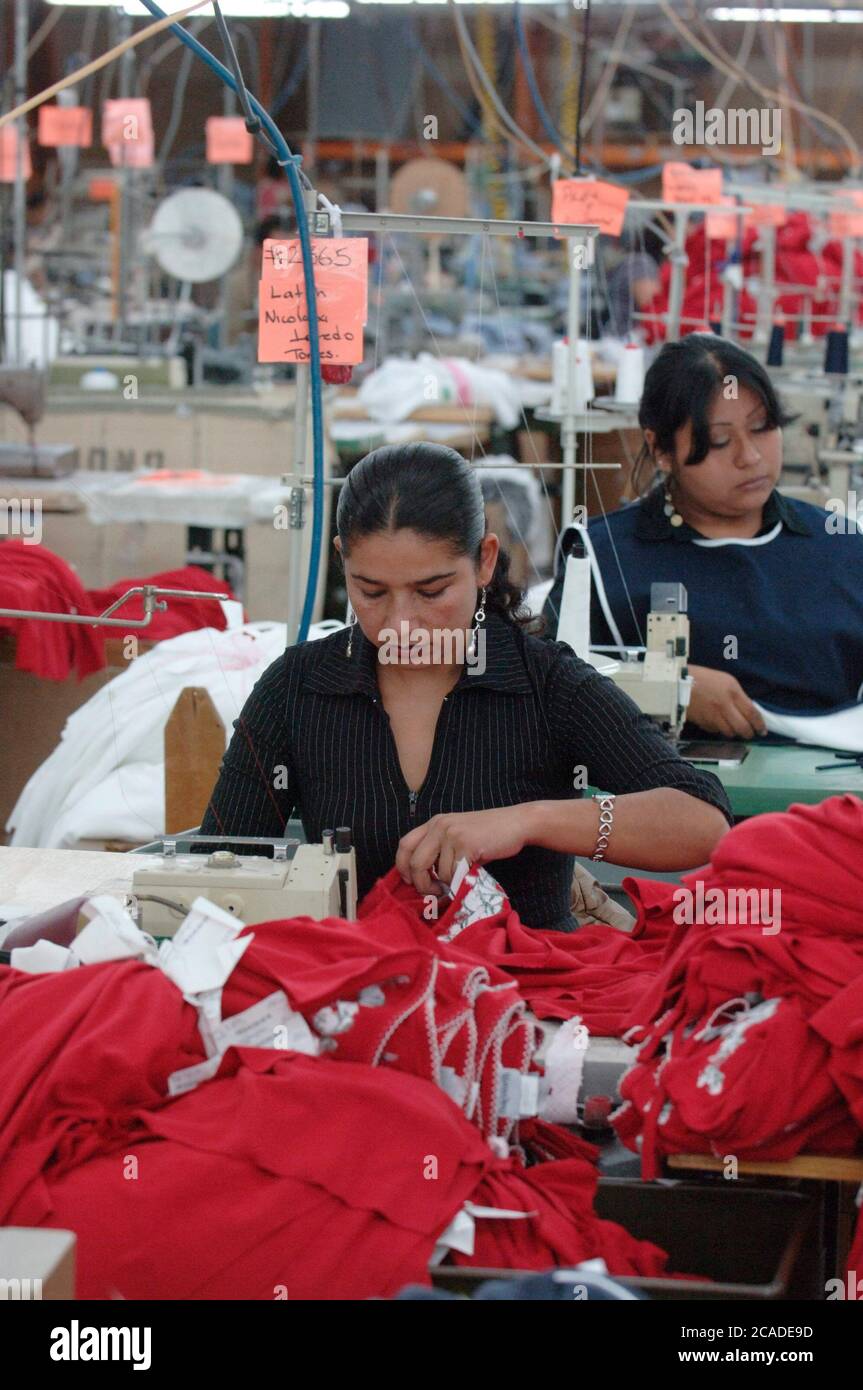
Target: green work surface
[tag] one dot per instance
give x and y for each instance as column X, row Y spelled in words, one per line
column 774, row 776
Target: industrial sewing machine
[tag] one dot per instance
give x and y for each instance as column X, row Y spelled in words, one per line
column 24, row 390
column 299, row 881
column 657, row 680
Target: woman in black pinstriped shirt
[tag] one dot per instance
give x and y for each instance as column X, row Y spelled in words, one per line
column 434, row 749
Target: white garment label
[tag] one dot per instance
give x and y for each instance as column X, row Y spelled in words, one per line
column 179, row 1082
column 518, row 1094
column 269, row 1023
column 110, row 934
column 205, row 950
column 42, row 958
column 454, row 1085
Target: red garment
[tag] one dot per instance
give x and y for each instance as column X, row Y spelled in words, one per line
column 32, row 577
column 274, row 1167
column 597, row 972
column 736, row 1006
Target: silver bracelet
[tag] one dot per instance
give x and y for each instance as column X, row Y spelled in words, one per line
column 606, row 822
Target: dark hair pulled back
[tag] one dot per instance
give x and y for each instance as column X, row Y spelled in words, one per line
column 430, row 489
column 681, row 385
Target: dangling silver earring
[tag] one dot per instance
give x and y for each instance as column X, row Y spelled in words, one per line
column 351, row 636
column 669, row 508
column 478, row 617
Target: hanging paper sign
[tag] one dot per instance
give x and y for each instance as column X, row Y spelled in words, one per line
column 722, row 226
column 65, row 125
column 228, row 141
column 845, row 224
column 127, row 121
column 590, row 202
column 341, row 286
column 128, row 154
column 683, row 184
column 766, row 215
column 9, row 155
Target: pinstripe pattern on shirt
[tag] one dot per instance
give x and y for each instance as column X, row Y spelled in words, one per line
column 314, row 738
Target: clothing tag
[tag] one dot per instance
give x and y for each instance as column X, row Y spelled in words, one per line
column 496, row 1213
column 454, row 1085
column 110, row 934
column 509, row 1095
column 472, row 1099
column 205, row 950
column 459, row 1235
column 529, row 1094
column 43, row 957
column 179, row 1082
column 269, row 1023
column 461, row 869
column 209, row 1006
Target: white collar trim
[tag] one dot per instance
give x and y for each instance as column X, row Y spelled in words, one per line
column 742, row 540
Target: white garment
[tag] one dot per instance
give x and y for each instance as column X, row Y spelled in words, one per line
column 401, row 386
column 840, row 729
column 106, row 776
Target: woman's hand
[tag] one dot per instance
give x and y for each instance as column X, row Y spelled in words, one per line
column 720, row 705
column 477, row 836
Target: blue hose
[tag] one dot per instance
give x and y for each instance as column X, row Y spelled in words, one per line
column 289, row 162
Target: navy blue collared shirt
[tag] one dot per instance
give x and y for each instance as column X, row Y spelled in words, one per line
column 535, row 724
column 782, row 611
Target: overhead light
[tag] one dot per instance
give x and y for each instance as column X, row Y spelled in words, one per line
column 233, row 9
column 741, row 14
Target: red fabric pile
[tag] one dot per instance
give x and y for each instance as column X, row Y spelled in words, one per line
column 751, row 1037
column 598, row 972
column 286, row 1175
column 33, row 577
column 797, row 263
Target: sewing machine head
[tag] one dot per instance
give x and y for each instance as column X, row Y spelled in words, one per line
column 299, row 881
column 24, row 389
column 659, row 683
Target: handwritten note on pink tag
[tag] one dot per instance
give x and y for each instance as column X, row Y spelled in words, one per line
column 341, row 286
column 65, row 125
column 228, row 141
column 766, row 215
column 591, row 202
column 683, row 184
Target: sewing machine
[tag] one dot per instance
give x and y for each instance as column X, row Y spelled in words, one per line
column 658, row 680
column 300, row 880
column 24, row 390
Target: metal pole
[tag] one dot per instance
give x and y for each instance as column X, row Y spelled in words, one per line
column 767, row 292
column 19, row 204
column 846, row 290
column 225, row 180
column 679, row 261
column 567, row 426
column 297, row 510
column 124, row 230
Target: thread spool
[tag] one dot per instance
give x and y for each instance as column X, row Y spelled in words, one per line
column 776, row 347
column 584, row 392
column 836, row 355
column 630, row 375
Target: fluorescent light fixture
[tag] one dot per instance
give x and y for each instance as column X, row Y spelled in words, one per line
column 741, row 14
column 235, row 9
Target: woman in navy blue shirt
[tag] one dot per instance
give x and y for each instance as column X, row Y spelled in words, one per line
column 774, row 585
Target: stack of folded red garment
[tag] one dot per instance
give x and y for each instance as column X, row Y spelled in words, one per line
column 751, row 1037
column 32, row 577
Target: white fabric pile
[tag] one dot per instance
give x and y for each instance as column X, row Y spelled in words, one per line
column 106, row 777
column 402, row 385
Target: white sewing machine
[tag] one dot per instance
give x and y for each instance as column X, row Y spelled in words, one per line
column 299, row 881
column 659, row 683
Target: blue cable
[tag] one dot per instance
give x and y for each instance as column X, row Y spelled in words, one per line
column 290, row 164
